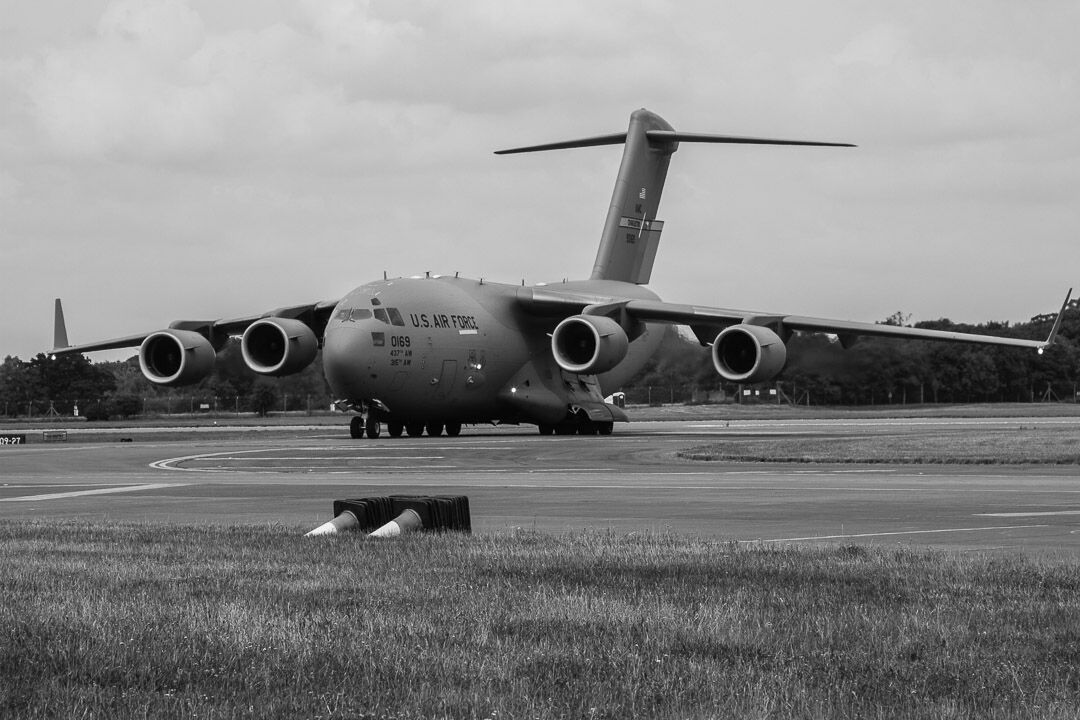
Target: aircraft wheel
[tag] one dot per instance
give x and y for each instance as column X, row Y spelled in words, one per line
column 434, row 429
column 605, row 428
column 453, row 429
column 565, row 429
column 415, row 429
column 547, row 429
column 395, row 429
column 586, row 428
column 356, row 427
column 373, row 429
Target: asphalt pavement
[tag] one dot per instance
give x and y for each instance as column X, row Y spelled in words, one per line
column 632, row 481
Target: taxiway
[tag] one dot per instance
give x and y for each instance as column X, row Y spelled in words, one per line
column 632, row 481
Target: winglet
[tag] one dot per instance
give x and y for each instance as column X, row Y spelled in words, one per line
column 1057, row 323
column 60, row 338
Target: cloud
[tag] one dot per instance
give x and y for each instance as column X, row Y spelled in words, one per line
column 264, row 151
column 130, row 91
column 902, row 88
column 155, row 84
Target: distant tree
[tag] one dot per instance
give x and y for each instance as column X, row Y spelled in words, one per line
column 263, row 397
column 308, row 384
column 898, row 319
column 97, row 410
column 129, row 378
column 821, row 367
column 230, row 372
column 125, row 405
column 19, row 386
column 679, row 366
column 68, row 379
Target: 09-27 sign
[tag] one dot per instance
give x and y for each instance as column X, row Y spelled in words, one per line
column 9, row 439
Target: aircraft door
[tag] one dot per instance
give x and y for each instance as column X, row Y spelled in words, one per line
column 447, row 378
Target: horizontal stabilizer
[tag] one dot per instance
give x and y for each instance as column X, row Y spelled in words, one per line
column 616, row 139
column 658, row 137
column 673, row 136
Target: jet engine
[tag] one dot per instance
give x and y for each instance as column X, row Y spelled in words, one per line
column 278, row 346
column 748, row 354
column 176, row 357
column 588, row 344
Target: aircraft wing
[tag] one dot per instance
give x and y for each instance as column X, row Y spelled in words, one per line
column 707, row 322
column 315, row 315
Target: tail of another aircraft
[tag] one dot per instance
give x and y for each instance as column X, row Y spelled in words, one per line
column 631, row 233
column 60, row 338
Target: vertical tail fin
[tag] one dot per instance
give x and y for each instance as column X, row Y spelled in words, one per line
column 631, row 233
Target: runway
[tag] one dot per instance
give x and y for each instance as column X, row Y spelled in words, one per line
column 629, row 482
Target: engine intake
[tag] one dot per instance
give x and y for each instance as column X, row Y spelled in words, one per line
column 278, row 346
column 588, row 344
column 176, row 357
column 748, row 354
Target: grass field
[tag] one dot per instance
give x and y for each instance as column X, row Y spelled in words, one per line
column 1019, row 445
column 152, row 621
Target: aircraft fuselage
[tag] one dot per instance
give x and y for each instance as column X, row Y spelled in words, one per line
column 453, row 349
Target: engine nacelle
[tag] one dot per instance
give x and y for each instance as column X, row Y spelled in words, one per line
column 176, row 357
column 748, row 354
column 589, row 344
column 278, row 346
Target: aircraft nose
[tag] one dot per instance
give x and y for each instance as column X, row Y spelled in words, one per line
column 346, row 353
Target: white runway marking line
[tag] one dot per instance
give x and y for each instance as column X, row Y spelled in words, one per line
column 893, row 422
column 272, row 458
column 98, row 491
column 298, row 469
column 901, row 532
column 1048, row 513
column 170, row 463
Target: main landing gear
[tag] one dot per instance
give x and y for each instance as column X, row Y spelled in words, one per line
column 357, row 429
column 372, row 428
column 578, row 423
column 576, row 427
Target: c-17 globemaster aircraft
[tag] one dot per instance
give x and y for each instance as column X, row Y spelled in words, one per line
column 435, row 352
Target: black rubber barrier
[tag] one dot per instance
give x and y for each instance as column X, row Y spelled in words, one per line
column 438, row 513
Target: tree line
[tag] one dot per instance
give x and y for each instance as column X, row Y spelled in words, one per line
column 44, row 385
column 819, row 370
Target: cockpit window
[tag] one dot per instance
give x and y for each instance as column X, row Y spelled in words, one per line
column 395, row 317
column 352, row 314
column 380, row 315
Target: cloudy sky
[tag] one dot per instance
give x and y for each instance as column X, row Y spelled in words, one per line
column 167, row 159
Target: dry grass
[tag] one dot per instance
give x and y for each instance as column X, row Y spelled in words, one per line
column 145, row 621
